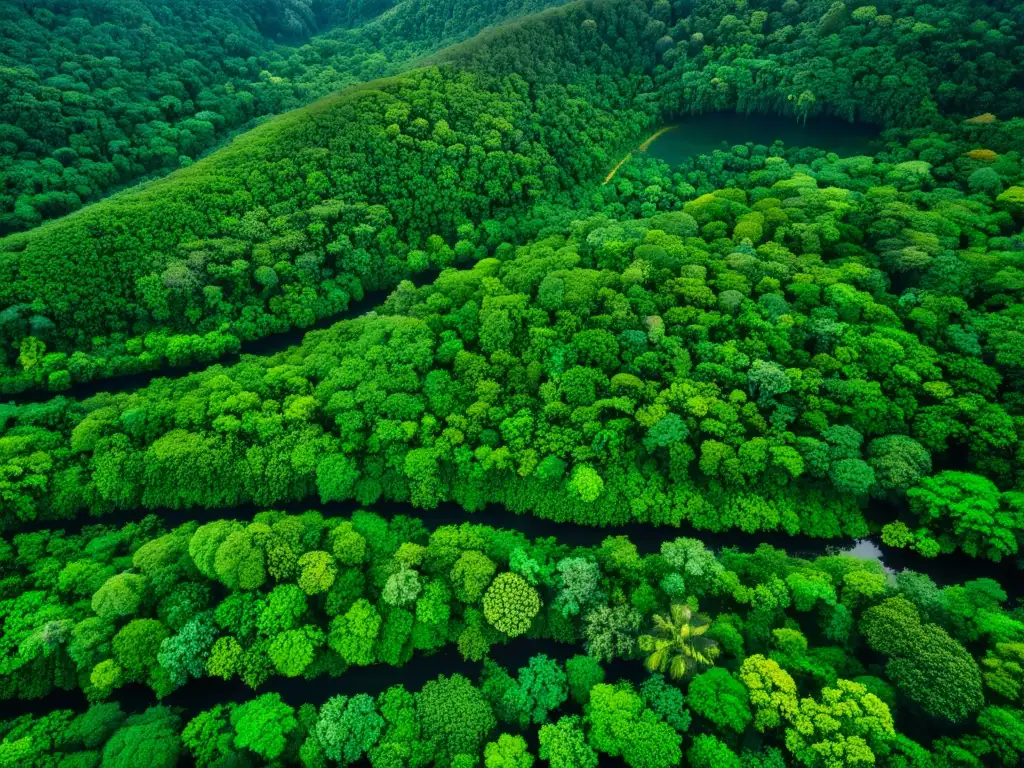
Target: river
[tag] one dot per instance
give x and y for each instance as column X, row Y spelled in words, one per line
column 265, row 346
column 676, row 143
column 948, row 569
column 702, row 134
column 197, row 696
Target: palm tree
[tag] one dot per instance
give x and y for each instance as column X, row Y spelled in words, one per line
column 677, row 643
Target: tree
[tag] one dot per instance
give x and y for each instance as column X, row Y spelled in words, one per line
column 402, row 588
column 150, row 738
column 540, row 688
column 455, row 717
column 564, row 745
column 580, row 582
column 1003, row 670
column 401, row 741
column 136, row 647
column 582, row 674
column 899, row 462
column 471, row 575
column 285, row 608
column 852, row 476
column 510, row 604
column 507, row 752
column 586, row 483
column 766, row 380
column 620, row 724
column 353, row 635
column 771, row 689
column 666, row 700
column 926, row 664
column 1003, row 729
column 185, row 654
column 347, row 728
column 969, row 508
column 611, row 632
column 208, row 738
column 263, row 724
column 239, row 562
column 708, row 751
column 347, row 544
column 225, row 657
column 721, row 699
column 678, row 643
column 293, row 650
column 317, row 572
column 119, row 596
column 849, row 726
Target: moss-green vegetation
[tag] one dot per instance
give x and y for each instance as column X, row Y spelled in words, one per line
column 529, row 111
column 768, row 358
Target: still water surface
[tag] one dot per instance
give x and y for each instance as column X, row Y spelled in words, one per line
column 703, row 134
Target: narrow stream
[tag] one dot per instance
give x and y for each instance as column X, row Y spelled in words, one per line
column 678, row 143
column 944, row 570
column 266, row 346
column 197, row 696
column 694, row 136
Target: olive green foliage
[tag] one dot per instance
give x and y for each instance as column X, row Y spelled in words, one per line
column 283, row 231
column 413, row 398
column 924, row 662
column 510, row 604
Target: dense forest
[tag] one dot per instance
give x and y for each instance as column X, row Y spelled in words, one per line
column 765, row 342
column 101, row 93
column 801, row 658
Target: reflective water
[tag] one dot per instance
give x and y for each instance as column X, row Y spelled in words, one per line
column 703, row 134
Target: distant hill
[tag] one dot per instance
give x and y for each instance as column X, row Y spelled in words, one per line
column 100, row 94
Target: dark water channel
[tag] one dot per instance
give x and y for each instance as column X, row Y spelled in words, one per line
column 948, row 569
column 266, row 346
column 689, row 137
column 702, row 134
column 197, row 696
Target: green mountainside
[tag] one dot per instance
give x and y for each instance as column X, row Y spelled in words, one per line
column 104, row 92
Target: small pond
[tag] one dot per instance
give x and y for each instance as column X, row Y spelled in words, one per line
column 702, row 134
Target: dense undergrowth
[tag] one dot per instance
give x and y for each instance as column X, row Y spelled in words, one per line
column 792, row 641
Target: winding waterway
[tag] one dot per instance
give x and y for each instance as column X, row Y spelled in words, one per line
column 197, row 696
column 265, row 346
column 677, row 143
column 947, row 569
